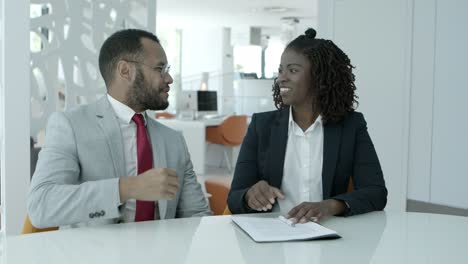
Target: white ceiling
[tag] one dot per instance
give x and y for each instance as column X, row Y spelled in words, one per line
column 231, row 13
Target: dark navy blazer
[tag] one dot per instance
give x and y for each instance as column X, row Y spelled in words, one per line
column 348, row 152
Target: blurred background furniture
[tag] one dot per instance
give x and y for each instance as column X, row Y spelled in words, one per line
column 164, row 115
column 230, row 133
column 218, row 189
column 28, row 228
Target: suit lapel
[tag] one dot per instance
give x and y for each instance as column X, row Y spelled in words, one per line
column 278, row 140
column 159, row 157
column 110, row 127
column 331, row 145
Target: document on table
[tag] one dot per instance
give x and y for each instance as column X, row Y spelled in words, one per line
column 262, row 229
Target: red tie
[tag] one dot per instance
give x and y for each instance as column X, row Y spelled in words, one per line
column 144, row 209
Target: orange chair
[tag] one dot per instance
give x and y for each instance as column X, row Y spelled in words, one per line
column 230, row 134
column 350, row 185
column 164, row 115
column 28, row 228
column 227, row 211
column 219, row 190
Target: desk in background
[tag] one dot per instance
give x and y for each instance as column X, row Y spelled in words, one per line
column 377, row 237
column 194, row 134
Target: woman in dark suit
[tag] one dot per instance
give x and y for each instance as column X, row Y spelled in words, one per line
column 300, row 158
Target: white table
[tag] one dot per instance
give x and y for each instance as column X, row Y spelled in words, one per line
column 371, row 238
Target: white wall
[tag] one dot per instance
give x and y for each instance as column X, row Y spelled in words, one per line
column 377, row 38
column 227, row 73
column 14, row 47
column 439, row 142
column 411, row 68
column 253, row 96
column 422, row 90
column 201, row 52
column 209, row 50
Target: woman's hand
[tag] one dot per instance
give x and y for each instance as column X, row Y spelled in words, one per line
column 311, row 211
column 261, row 196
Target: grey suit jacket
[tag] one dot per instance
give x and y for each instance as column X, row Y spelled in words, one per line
column 76, row 181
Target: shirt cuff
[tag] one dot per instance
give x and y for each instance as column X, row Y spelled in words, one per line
column 117, row 193
column 348, row 208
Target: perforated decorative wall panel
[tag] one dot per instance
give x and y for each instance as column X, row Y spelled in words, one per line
column 66, row 36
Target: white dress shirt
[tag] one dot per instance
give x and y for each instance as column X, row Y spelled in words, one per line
column 302, row 172
column 128, row 128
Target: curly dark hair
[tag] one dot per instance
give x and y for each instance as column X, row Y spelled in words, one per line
column 332, row 77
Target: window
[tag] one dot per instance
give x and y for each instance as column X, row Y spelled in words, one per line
column 171, row 42
column 248, row 59
column 272, row 58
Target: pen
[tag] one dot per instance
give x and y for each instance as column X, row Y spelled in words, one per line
column 286, row 221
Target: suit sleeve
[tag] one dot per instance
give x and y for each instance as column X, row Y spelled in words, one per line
column 56, row 196
column 370, row 193
column 192, row 201
column 246, row 172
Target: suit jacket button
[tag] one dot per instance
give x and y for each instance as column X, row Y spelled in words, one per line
column 91, row 215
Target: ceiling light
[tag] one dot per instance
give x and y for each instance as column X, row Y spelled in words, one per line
column 275, row 9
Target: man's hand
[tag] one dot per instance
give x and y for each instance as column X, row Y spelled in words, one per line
column 308, row 211
column 261, row 196
column 152, row 185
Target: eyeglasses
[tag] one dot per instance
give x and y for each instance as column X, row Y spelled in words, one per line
column 163, row 70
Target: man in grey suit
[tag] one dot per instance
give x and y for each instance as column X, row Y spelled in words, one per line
column 107, row 162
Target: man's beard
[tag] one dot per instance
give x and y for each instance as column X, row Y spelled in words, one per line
column 142, row 96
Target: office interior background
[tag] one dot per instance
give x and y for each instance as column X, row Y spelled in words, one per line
column 410, row 58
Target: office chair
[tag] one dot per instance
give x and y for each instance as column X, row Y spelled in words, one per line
column 164, row 115
column 28, row 228
column 350, row 185
column 227, row 211
column 218, row 189
column 229, row 134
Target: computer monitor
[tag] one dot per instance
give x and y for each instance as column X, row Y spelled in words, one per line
column 207, row 101
column 248, row 75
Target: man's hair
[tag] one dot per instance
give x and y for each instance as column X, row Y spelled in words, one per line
column 332, row 76
column 123, row 44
